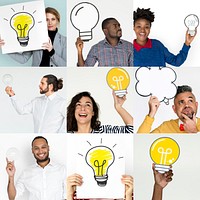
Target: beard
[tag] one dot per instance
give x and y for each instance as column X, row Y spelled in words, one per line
column 38, row 160
column 45, row 90
column 189, row 112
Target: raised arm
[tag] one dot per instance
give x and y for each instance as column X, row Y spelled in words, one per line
column 10, row 168
column 79, row 46
column 161, row 181
column 118, row 104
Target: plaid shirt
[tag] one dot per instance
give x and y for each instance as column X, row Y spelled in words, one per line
column 107, row 55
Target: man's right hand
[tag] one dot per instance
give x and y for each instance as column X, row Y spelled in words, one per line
column 9, row 91
column 10, row 168
column 79, row 44
column 154, row 103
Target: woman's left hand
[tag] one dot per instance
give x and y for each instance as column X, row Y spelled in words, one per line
column 47, row 45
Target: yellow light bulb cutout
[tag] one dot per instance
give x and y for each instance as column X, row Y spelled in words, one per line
column 100, row 158
column 118, row 79
column 164, row 152
column 22, row 23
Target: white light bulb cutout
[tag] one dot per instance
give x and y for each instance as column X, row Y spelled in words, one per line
column 84, row 17
column 7, row 79
column 12, row 154
column 191, row 22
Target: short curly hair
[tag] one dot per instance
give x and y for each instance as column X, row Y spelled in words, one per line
column 143, row 14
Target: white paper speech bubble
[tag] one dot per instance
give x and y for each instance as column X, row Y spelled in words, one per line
column 156, row 81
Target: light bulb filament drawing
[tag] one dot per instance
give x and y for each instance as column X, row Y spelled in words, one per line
column 99, row 167
column 164, row 154
column 191, row 22
column 118, row 80
column 22, row 23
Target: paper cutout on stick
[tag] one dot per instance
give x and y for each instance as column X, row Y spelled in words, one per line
column 164, row 152
column 84, row 17
column 156, row 81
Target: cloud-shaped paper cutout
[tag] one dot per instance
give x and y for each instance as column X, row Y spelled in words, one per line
column 156, row 81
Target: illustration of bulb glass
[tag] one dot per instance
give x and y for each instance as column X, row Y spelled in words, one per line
column 12, row 154
column 100, row 158
column 191, row 22
column 22, row 23
column 164, row 152
column 7, row 79
column 84, row 17
column 118, row 79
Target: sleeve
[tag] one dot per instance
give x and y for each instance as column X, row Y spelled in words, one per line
column 176, row 60
column 64, row 196
column 20, row 188
column 22, row 57
column 130, row 61
column 198, row 124
column 91, row 57
column 146, row 125
column 63, row 112
column 59, row 59
column 21, row 109
column 116, row 129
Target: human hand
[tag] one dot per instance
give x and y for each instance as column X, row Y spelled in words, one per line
column 47, row 45
column 162, row 179
column 189, row 38
column 79, row 44
column 9, row 91
column 10, row 168
column 128, row 182
column 1, row 42
column 154, row 103
column 118, row 101
column 189, row 124
column 73, row 181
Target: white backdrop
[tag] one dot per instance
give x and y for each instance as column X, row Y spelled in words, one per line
column 185, row 183
column 169, row 27
column 23, row 143
column 93, row 80
column 26, row 86
column 185, row 76
column 107, row 8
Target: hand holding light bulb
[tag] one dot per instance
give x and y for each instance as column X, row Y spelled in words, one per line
column 191, row 22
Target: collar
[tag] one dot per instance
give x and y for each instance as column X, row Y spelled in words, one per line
column 50, row 97
column 105, row 41
column 50, row 164
column 138, row 47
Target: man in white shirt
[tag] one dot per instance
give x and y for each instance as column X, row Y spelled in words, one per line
column 49, row 110
column 44, row 180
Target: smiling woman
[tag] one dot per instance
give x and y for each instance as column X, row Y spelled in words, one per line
column 83, row 116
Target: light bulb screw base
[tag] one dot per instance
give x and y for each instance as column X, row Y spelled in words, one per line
column 101, row 180
column 162, row 168
column 85, row 35
column 120, row 93
column 23, row 41
column 191, row 32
